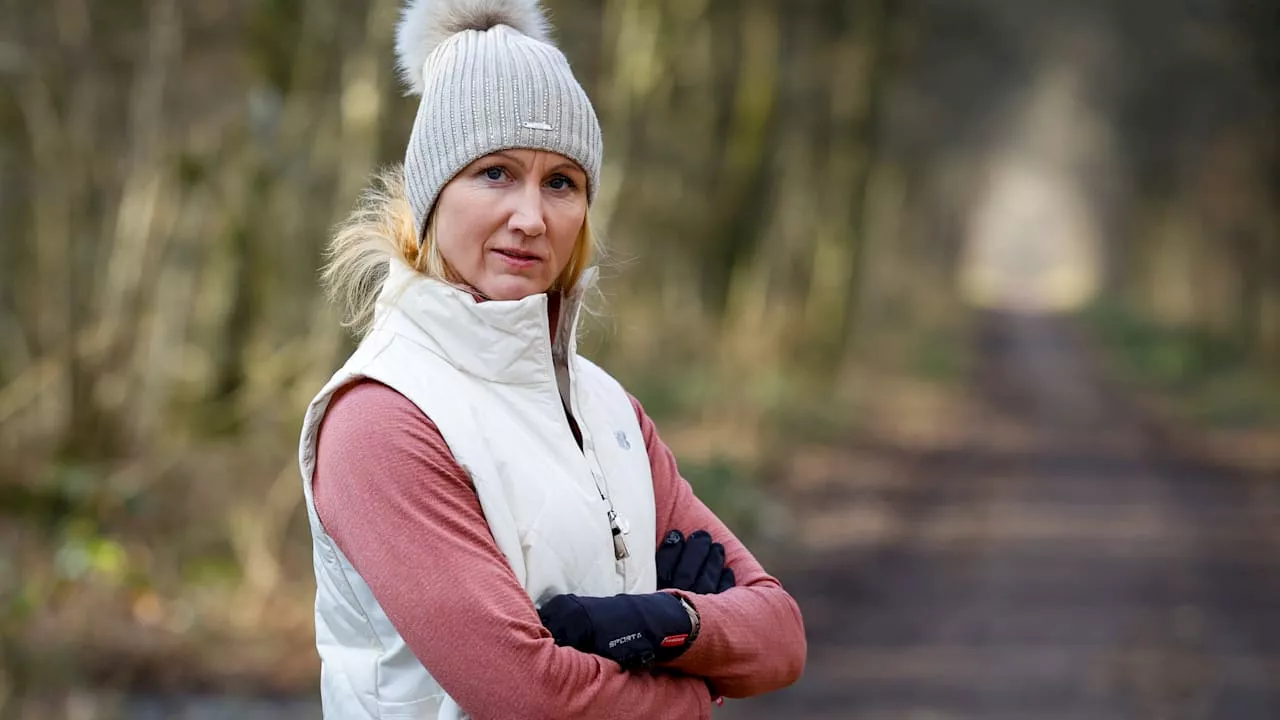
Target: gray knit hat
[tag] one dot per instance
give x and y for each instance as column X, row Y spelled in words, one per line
column 490, row 79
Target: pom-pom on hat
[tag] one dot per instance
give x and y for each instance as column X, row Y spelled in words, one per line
column 490, row 79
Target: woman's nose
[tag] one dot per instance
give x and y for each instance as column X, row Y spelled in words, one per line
column 527, row 216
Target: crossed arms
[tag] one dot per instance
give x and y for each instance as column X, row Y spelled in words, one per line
column 391, row 495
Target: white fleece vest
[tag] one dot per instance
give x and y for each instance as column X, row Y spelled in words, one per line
column 484, row 373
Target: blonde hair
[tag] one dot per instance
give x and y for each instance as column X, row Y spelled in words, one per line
column 380, row 230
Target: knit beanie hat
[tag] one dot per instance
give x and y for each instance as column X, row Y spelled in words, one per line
column 490, row 79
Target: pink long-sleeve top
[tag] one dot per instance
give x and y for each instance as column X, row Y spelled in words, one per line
column 390, row 494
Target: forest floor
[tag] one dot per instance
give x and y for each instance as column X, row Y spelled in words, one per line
column 1071, row 553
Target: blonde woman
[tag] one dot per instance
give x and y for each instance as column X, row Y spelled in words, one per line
column 498, row 529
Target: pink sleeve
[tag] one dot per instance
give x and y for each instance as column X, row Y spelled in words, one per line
column 752, row 639
column 393, row 498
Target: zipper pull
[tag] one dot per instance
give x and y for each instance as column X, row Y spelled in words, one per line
column 619, row 544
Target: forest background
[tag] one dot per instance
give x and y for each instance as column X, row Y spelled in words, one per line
column 807, row 205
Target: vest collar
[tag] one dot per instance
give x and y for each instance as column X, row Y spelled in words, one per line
column 506, row 341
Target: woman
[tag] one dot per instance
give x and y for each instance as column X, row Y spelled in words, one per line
column 482, row 499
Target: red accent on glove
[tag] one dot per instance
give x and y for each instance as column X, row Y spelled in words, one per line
column 674, row 640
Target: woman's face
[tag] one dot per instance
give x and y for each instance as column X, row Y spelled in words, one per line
column 508, row 223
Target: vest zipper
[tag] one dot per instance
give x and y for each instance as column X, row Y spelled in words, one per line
column 586, row 447
column 619, row 544
column 620, row 551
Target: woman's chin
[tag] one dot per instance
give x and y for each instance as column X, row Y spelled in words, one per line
column 513, row 288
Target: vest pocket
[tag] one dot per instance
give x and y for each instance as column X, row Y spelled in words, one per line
column 427, row 708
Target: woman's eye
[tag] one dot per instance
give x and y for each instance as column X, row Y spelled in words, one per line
column 560, row 182
column 494, row 173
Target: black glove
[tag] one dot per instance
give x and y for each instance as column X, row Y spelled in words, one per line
column 695, row 564
column 634, row 631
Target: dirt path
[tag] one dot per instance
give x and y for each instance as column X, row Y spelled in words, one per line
column 1060, row 563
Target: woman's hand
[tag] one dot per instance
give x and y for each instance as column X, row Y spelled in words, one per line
column 640, row 630
column 635, row 631
column 695, row 564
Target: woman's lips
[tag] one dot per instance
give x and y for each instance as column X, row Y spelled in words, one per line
column 516, row 258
